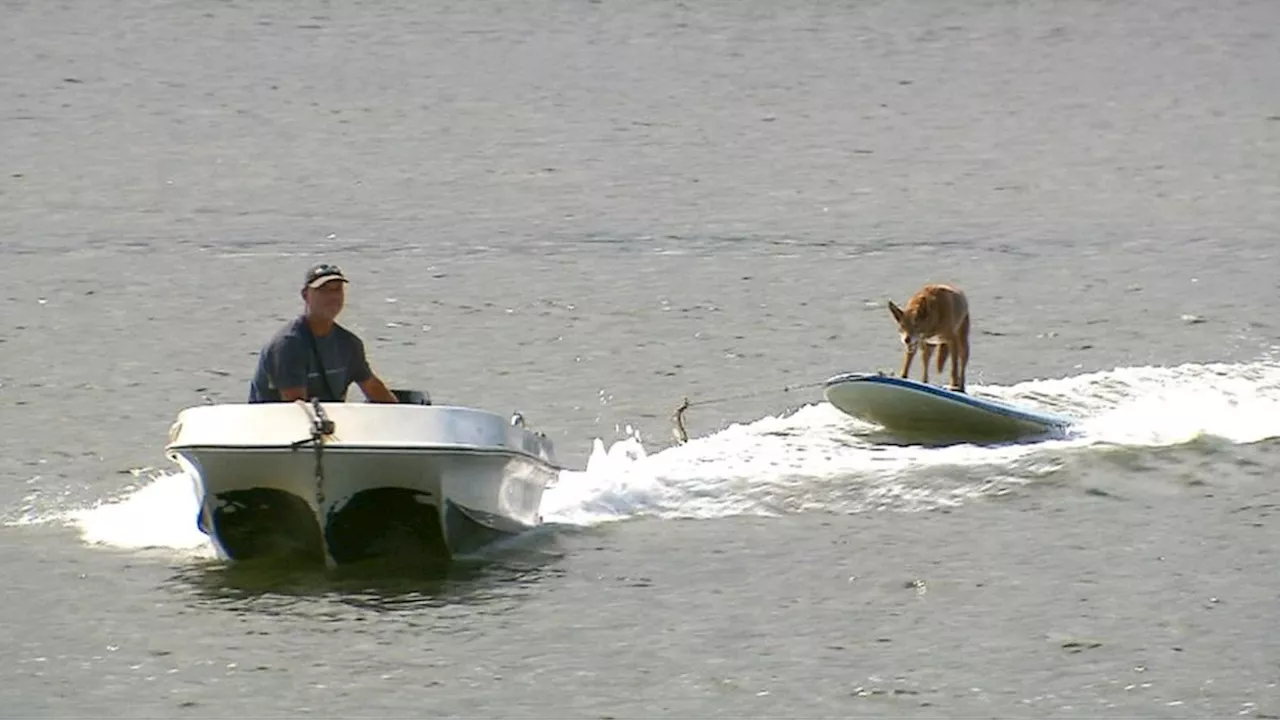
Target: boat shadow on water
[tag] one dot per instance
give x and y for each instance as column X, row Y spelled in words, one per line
column 401, row 582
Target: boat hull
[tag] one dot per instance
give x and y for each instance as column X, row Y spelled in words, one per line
column 387, row 480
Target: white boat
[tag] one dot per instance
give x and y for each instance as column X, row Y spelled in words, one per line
column 915, row 409
column 342, row 482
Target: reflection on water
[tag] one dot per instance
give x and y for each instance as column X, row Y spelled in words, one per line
column 385, row 585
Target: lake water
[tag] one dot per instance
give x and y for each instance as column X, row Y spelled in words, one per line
column 588, row 211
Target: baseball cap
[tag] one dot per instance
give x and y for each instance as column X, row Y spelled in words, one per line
column 323, row 273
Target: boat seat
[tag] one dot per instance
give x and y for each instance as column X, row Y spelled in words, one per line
column 412, row 397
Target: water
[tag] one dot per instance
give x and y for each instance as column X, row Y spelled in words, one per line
column 587, row 212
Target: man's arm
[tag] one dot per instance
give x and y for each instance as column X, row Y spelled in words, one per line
column 370, row 384
column 377, row 391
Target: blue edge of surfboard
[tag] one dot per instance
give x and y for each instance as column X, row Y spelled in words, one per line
column 1049, row 420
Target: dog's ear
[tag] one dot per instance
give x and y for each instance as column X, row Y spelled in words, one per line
column 897, row 311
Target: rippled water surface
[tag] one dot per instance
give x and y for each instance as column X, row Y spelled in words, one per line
column 588, row 212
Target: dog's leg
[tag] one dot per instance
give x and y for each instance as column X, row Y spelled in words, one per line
column 906, row 361
column 943, row 349
column 959, row 370
column 926, row 354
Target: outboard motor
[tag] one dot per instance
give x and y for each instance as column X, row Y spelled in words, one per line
column 412, row 397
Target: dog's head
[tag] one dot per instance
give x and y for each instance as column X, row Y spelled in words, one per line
column 909, row 321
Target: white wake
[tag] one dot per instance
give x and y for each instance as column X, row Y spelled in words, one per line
column 816, row 459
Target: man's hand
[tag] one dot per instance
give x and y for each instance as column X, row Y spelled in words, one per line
column 376, row 391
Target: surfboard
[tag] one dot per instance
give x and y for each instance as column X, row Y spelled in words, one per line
column 912, row 408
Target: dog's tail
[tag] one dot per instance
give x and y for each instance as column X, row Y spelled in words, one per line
column 943, row 350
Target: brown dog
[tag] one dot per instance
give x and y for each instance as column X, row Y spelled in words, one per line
column 937, row 315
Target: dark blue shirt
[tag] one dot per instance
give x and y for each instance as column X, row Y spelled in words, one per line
column 288, row 360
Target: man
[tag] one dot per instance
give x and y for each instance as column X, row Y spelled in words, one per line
column 313, row 356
